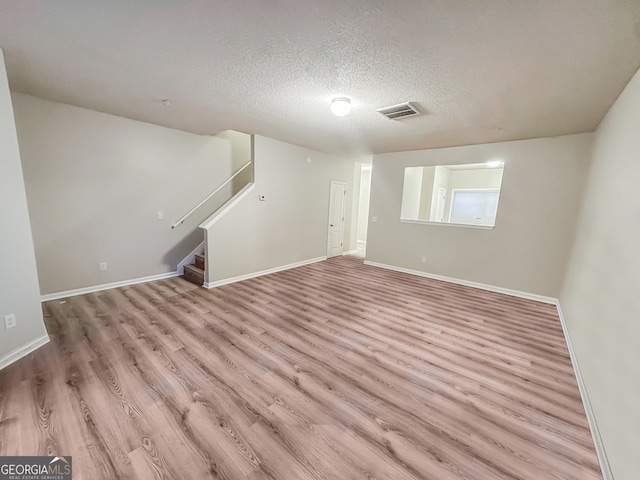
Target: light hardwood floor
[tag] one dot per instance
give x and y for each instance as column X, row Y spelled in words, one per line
column 335, row 370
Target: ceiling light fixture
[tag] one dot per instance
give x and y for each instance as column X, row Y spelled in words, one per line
column 340, row 106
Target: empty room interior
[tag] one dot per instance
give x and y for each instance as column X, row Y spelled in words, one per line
column 321, row 240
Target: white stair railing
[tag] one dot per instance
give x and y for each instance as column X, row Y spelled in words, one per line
column 186, row 215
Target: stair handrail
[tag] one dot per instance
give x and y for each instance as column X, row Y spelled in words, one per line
column 186, row 215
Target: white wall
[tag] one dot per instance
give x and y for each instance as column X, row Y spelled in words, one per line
column 475, row 178
column 292, row 224
column 95, row 183
column 363, row 202
column 426, row 195
column 241, row 153
column 440, row 180
column 240, row 146
column 601, row 294
column 19, row 292
column 528, row 248
column 411, row 192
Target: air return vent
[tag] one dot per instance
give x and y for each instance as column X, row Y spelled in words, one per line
column 403, row 110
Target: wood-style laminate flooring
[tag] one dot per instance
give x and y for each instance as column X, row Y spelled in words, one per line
column 334, row 370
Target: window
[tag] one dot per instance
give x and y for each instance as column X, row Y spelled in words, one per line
column 474, row 207
column 464, row 194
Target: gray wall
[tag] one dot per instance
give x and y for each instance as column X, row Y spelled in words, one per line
column 528, row 249
column 19, row 292
column 292, row 224
column 601, row 295
column 95, row 183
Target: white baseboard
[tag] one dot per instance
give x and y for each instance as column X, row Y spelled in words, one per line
column 247, row 276
column 350, row 252
column 23, row 351
column 466, row 283
column 106, row 286
column 591, row 419
column 191, row 258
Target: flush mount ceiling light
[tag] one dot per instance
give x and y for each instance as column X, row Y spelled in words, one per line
column 340, row 106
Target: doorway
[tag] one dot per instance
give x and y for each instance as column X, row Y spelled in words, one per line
column 363, row 209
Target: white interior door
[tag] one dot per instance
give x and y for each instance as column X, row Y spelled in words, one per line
column 336, row 218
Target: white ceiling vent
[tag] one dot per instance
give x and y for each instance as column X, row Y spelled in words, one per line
column 402, row 110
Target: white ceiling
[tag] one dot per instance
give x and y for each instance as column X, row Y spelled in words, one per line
column 482, row 70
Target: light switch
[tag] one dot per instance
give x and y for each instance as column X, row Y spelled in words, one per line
column 10, row 320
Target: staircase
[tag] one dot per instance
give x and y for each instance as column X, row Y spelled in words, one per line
column 236, row 187
column 194, row 273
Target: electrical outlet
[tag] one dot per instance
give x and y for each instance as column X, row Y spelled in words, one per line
column 423, row 259
column 103, row 266
column 160, row 215
column 374, row 219
column 10, row 320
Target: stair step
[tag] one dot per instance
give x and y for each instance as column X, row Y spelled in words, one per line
column 194, row 274
column 200, row 261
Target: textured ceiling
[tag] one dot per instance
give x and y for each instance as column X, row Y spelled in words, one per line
column 482, row 70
